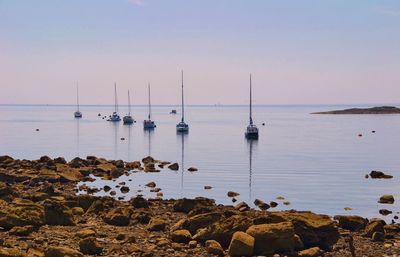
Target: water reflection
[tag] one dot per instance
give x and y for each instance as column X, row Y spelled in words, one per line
column 181, row 137
column 149, row 133
column 77, row 137
column 129, row 139
column 250, row 144
column 115, row 126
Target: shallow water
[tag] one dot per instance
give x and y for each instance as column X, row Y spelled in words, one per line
column 317, row 162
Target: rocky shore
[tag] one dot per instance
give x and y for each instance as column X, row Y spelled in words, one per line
column 41, row 214
column 373, row 110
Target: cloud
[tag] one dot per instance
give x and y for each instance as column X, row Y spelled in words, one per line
column 136, row 2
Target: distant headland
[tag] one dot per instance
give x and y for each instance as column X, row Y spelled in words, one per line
column 373, row 110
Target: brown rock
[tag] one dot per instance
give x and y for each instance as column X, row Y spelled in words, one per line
column 232, row 194
column 156, row 224
column 56, row 213
column 86, row 233
column 379, row 175
column 378, row 237
column 118, row 217
column 386, row 199
column 213, row 247
column 139, row 202
column 311, row 252
column 181, row 236
column 90, row 246
column 22, row 231
column 186, row 205
column 62, row 252
column 173, row 166
column 242, row 244
column 351, row 222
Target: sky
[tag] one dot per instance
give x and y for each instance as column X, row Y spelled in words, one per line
column 298, row 52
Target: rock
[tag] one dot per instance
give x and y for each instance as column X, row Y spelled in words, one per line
column 5, row 190
column 192, row 169
column 232, row 194
column 386, row 199
column 207, row 187
column 351, row 222
column 151, row 184
column 378, row 237
column 148, row 159
column 77, row 211
column 192, row 244
column 186, row 205
column 270, row 238
column 311, row 252
column 213, row 247
column 379, row 174
column 156, row 224
column 118, row 217
column 375, row 225
column 133, row 165
column 62, row 251
column 10, row 252
column 56, row 213
column 242, row 206
column 84, row 233
column 273, row 204
column 139, row 202
column 201, row 221
column 384, row 212
column 90, row 246
column 22, row 231
column 173, row 166
column 181, row 236
column 261, row 204
column 242, row 244
column 20, row 213
column 106, row 188
column 124, row 189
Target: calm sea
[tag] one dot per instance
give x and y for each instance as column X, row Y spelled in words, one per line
column 316, row 162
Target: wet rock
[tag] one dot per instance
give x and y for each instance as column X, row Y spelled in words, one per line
column 20, row 213
column 56, row 213
column 311, row 252
column 133, row 165
column 174, row 166
column 192, row 244
column 201, row 221
column 22, row 231
column 273, row 204
column 213, row 247
column 375, row 225
column 379, row 175
column 62, row 252
column 207, row 187
column 378, row 237
column 5, row 191
column 150, row 167
column 351, row 222
column 148, row 159
column 242, row 206
column 118, row 217
column 386, row 199
column 181, row 236
column 84, row 233
column 106, row 188
column 90, row 246
column 60, row 160
column 139, row 202
column 186, row 205
column 270, row 238
column 125, row 189
column 156, row 224
column 151, row 184
column 242, row 244
column 192, row 169
column 232, row 194
column 10, row 252
column 384, row 212
column 261, row 204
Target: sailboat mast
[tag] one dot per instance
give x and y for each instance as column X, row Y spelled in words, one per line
column 251, row 105
column 183, row 105
column 77, row 95
column 149, row 103
column 129, row 104
column 116, row 100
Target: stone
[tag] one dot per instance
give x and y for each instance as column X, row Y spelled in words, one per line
column 90, row 246
column 156, row 224
column 273, row 204
column 86, row 233
column 378, row 237
column 375, row 225
column 386, row 199
column 20, row 213
column 151, row 184
column 10, row 252
column 311, row 252
column 148, row 159
column 232, row 194
column 379, row 175
column 207, row 187
column 242, row 206
column 106, row 188
column 22, row 231
column 124, row 189
column 384, row 212
column 139, row 202
column 213, row 247
column 270, row 238
column 62, row 251
column 242, row 244
column 351, row 222
column 261, row 204
column 186, row 205
column 192, row 244
column 118, row 217
column 56, row 213
column 192, row 169
column 77, row 211
column 174, row 166
column 181, row 236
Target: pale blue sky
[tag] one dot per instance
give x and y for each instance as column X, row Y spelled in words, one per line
column 311, row 51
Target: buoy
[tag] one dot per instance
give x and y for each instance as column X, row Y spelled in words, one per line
column 373, row 131
column 37, row 129
column 360, row 135
column 122, row 138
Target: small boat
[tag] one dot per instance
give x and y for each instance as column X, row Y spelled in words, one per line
column 149, row 124
column 78, row 113
column 114, row 117
column 252, row 130
column 128, row 118
column 173, row 112
column 182, row 126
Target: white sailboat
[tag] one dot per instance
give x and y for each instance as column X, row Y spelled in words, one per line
column 78, row 113
column 115, row 117
column 149, row 124
column 251, row 130
column 182, row 126
column 128, row 118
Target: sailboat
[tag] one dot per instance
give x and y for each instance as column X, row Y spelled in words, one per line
column 115, row 117
column 252, row 130
column 128, row 118
column 149, row 124
column 182, row 126
column 78, row 113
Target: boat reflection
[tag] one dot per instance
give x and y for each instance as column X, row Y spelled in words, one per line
column 251, row 143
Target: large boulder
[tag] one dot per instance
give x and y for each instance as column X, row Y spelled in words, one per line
column 351, row 222
column 156, row 224
column 68, row 174
column 118, row 217
column 375, row 225
column 242, row 244
column 56, row 213
column 20, row 213
column 313, row 229
column 201, row 221
column 271, row 238
column 139, row 202
column 90, row 246
column 181, row 236
column 213, row 247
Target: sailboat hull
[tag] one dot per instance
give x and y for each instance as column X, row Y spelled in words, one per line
column 182, row 127
column 149, row 124
column 128, row 120
column 78, row 114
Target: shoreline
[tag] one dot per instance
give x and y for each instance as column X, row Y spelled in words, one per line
column 41, row 215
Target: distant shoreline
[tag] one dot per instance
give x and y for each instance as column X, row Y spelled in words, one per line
column 373, row 110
